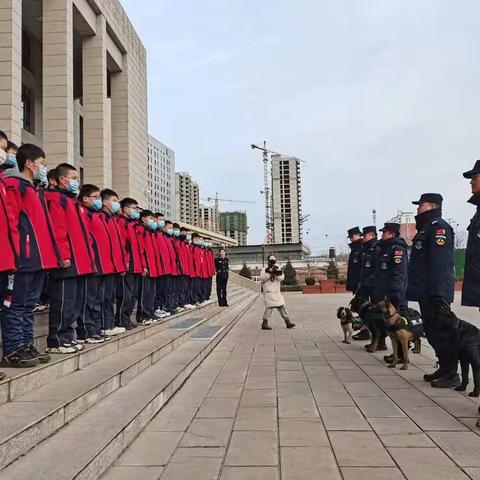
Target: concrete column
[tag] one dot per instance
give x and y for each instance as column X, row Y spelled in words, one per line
column 58, row 81
column 96, row 107
column 11, row 68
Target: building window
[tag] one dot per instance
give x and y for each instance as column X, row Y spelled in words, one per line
column 27, row 51
column 81, row 144
column 28, row 107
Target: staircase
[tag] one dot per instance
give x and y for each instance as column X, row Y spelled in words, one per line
column 71, row 418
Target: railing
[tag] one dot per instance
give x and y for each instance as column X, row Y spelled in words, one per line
column 245, row 282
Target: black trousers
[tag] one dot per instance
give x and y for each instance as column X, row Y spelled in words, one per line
column 127, row 291
column 108, row 316
column 222, row 280
column 92, row 314
column 67, row 302
column 443, row 340
column 146, row 298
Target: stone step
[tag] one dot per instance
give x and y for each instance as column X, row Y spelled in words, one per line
column 22, row 381
column 86, row 446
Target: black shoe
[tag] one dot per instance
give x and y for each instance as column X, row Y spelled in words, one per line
column 20, row 358
column 429, row 377
column 452, row 381
column 42, row 357
column 289, row 324
column 266, row 326
column 362, row 335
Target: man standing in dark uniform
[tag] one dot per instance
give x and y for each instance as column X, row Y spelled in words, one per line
column 354, row 259
column 221, row 266
column 431, row 282
column 471, row 276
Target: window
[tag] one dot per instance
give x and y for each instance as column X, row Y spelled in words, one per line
column 28, row 107
column 81, row 144
column 27, row 51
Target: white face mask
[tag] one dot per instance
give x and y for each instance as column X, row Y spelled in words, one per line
column 3, row 156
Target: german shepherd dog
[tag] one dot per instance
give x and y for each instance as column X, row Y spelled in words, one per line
column 401, row 334
column 469, row 354
column 344, row 314
column 373, row 318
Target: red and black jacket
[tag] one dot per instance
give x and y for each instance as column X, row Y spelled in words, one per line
column 210, row 262
column 130, row 244
column 30, row 225
column 172, row 252
column 118, row 252
column 149, row 251
column 191, row 263
column 199, row 261
column 8, row 256
column 164, row 253
column 97, row 227
column 183, row 256
column 71, row 234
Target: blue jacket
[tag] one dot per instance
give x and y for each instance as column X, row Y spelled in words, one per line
column 471, row 276
column 369, row 258
column 354, row 265
column 431, row 271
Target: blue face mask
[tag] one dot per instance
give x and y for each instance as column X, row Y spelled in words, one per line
column 97, row 204
column 115, row 207
column 161, row 223
column 189, row 238
column 176, row 233
column 152, row 225
column 73, row 186
column 11, row 161
column 169, row 232
column 41, row 174
column 134, row 214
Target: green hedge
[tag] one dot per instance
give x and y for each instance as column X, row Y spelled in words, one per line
column 291, row 288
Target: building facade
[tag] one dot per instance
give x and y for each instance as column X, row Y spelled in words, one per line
column 208, row 218
column 73, row 80
column 161, row 178
column 234, row 225
column 407, row 225
column 187, row 195
column 286, row 200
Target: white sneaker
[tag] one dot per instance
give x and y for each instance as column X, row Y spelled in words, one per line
column 95, row 339
column 188, row 306
column 62, row 349
column 203, row 304
column 208, row 302
column 119, row 330
column 180, row 309
column 76, row 345
column 159, row 313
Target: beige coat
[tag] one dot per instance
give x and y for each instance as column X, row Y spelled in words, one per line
column 271, row 290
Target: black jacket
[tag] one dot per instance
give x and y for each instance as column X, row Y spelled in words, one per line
column 391, row 270
column 354, row 265
column 471, row 277
column 221, row 266
column 431, row 271
column 369, row 257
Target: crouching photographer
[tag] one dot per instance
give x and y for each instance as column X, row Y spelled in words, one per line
column 271, row 278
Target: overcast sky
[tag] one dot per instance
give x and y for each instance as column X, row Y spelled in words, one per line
column 380, row 98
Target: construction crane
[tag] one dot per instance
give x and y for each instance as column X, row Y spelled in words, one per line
column 216, row 201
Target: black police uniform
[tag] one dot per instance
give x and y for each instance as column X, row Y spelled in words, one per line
column 431, row 282
column 221, row 266
column 354, row 265
column 471, row 276
column 368, row 271
column 391, row 272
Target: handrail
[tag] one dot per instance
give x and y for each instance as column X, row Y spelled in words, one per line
column 245, row 282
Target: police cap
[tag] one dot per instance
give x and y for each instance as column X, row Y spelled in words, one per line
column 354, row 231
column 370, row 229
column 431, row 198
column 474, row 171
column 391, row 227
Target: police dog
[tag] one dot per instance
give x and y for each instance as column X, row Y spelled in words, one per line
column 401, row 334
column 344, row 314
column 469, row 354
column 372, row 316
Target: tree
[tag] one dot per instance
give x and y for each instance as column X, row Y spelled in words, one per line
column 246, row 272
column 332, row 271
column 290, row 274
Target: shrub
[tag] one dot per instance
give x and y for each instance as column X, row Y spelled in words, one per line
column 245, row 271
column 290, row 274
column 310, row 281
column 332, row 271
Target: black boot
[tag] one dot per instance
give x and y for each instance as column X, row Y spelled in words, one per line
column 265, row 325
column 289, row 324
column 429, row 377
column 450, row 381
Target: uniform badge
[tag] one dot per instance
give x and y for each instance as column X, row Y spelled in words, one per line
column 398, row 260
column 440, row 241
column 368, row 264
column 355, row 260
column 383, row 265
column 418, row 244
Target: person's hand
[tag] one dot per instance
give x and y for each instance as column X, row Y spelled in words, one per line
column 67, row 264
column 145, row 272
column 123, row 274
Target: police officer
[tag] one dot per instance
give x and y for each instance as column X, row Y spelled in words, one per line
column 431, row 282
column 354, row 259
column 471, row 276
column 221, row 266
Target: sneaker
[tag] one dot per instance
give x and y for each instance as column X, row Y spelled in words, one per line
column 111, row 332
column 42, row 357
column 95, row 339
column 77, row 345
column 119, row 330
column 80, row 340
column 203, row 304
column 180, row 309
column 161, row 313
column 20, row 358
column 189, row 306
column 39, row 307
column 208, row 302
column 62, row 349
column 146, row 321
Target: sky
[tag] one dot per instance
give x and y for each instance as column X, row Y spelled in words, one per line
column 379, row 98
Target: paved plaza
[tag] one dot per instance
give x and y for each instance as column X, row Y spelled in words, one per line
column 299, row 404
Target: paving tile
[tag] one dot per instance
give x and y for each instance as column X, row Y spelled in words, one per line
column 409, row 397
column 474, row 473
column 426, row 464
column 343, row 418
column 343, row 365
column 352, row 376
column 289, row 365
column 291, row 376
column 253, row 449
column 434, row 418
column 333, row 398
column 256, row 418
column 198, row 467
column 218, row 408
column 259, row 398
column 313, row 371
column 373, row 473
column 127, row 473
column 377, row 369
column 226, row 390
column 302, row 432
column 363, row 389
column 462, row 447
column 297, row 407
column 375, row 407
column 301, row 463
column 172, row 420
column 208, row 432
column 263, row 371
column 399, row 432
column 390, row 381
column 150, row 449
column 260, row 383
column 359, row 449
column 250, row 473
column 458, row 406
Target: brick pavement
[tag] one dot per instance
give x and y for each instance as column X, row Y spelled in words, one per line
column 299, row 404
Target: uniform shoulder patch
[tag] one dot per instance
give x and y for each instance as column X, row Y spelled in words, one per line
column 440, row 231
column 398, row 253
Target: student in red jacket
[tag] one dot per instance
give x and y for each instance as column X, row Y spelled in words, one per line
column 11, row 158
column 146, row 289
column 111, row 207
column 90, row 330
column 37, row 251
column 161, row 301
column 172, row 281
column 210, row 264
column 66, row 287
column 183, row 253
column 127, row 286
